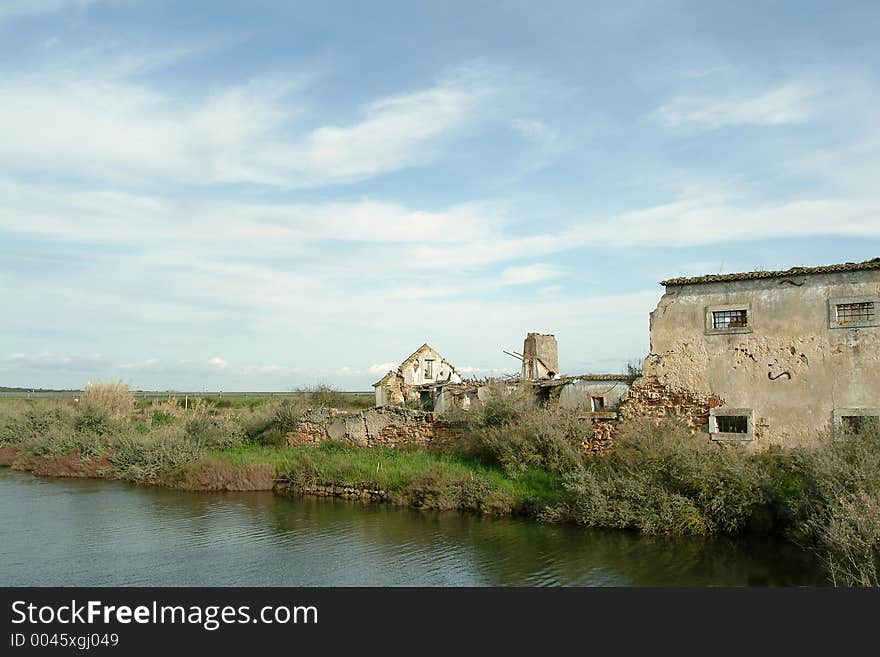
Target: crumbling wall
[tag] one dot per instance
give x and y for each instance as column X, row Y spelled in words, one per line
column 789, row 366
column 601, row 439
column 540, row 356
column 650, row 398
column 388, row 426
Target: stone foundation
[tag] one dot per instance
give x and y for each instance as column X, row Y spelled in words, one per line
column 331, row 489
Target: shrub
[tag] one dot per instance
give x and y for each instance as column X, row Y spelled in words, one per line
column 849, row 539
column 91, row 419
column 144, row 459
column 256, row 421
column 323, row 396
column 835, row 508
column 161, row 419
column 287, row 415
column 302, row 472
column 114, row 398
column 436, row 489
column 271, row 438
column 509, row 430
column 660, row 479
column 28, row 421
column 214, row 433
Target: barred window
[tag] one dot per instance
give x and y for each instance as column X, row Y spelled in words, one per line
column 849, row 313
column 732, row 423
column 727, row 319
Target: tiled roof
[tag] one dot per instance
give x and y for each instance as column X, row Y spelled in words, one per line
column 794, row 271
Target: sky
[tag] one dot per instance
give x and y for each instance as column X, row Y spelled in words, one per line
column 267, row 195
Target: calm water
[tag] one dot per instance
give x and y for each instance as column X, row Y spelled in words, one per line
column 74, row 532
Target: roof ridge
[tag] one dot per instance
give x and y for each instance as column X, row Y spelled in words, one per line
column 874, row 263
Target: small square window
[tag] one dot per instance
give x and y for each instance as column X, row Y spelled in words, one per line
column 853, row 423
column 853, row 312
column 597, row 404
column 857, row 421
column 731, row 424
column 726, row 319
column 848, row 313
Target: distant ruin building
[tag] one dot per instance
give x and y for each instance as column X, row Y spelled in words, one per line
column 540, row 357
column 765, row 357
column 416, row 379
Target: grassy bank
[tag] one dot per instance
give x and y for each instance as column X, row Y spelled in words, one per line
column 512, row 459
column 420, row 479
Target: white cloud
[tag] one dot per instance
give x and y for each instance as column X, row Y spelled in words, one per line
column 792, row 102
column 217, row 363
column 54, row 361
column 381, row 369
column 102, row 120
column 528, row 274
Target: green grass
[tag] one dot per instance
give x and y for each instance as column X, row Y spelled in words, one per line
column 393, row 470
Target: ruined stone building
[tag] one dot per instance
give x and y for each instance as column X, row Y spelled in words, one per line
column 416, row 379
column 765, row 356
column 540, row 356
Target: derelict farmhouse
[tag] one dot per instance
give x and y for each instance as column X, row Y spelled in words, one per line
column 765, row 357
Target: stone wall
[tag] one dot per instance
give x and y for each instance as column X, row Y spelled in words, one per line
column 650, row 398
column 387, row 426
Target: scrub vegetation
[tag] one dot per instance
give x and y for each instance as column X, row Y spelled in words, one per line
column 513, row 458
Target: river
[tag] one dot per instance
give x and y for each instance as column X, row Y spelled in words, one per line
column 71, row 532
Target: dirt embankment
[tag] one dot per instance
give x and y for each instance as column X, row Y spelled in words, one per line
column 62, row 465
column 8, row 454
column 203, row 475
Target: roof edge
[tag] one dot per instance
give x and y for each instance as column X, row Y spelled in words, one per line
column 755, row 275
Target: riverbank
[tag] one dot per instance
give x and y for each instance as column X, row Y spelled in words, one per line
column 510, row 458
column 414, row 479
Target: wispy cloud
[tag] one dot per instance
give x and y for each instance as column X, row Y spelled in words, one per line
column 54, row 361
column 102, row 121
column 788, row 103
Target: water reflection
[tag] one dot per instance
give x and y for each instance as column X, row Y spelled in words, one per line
column 69, row 532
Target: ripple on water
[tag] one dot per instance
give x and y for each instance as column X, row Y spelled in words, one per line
column 76, row 532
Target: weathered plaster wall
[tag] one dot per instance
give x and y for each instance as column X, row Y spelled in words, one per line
column 792, row 368
column 389, row 391
column 413, row 368
column 578, row 393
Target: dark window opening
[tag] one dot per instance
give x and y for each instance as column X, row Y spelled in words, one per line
column 727, row 319
column 598, row 403
column 732, row 423
column 543, row 394
column 850, row 313
column 859, row 424
column 426, row 400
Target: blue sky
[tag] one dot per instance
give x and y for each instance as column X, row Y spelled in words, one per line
column 266, row 195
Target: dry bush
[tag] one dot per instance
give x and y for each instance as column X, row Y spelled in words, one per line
column 211, row 474
column 660, row 479
column 113, row 398
column 21, row 421
column 144, row 458
column 510, row 430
